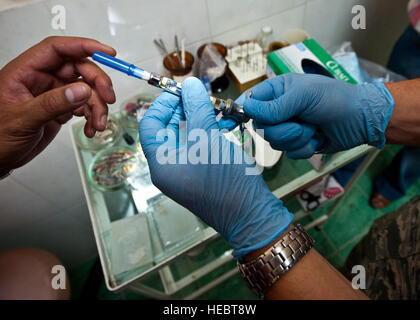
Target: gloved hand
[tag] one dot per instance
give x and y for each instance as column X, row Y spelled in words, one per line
column 212, row 177
column 302, row 114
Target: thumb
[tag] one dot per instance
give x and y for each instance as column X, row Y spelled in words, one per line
column 198, row 109
column 54, row 103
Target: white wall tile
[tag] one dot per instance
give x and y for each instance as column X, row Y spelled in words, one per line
column 330, row 25
column 20, row 206
column 280, row 23
column 23, row 27
column 53, row 174
column 9, row 4
column 226, row 15
column 63, row 137
column 80, row 213
column 125, row 87
column 131, row 25
column 385, row 22
column 61, row 234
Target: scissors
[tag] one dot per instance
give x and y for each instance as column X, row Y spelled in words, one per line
column 312, row 201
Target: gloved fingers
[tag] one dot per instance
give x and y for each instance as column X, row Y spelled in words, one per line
column 175, row 124
column 269, row 89
column 286, row 136
column 177, row 118
column 270, row 112
column 304, row 152
column 226, row 123
column 156, row 119
column 161, row 110
column 241, row 99
column 264, row 91
column 199, row 111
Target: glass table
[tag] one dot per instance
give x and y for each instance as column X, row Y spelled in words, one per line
column 140, row 232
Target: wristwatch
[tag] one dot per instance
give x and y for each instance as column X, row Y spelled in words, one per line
column 261, row 273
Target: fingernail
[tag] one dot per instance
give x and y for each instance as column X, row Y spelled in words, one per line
column 76, row 93
column 104, row 120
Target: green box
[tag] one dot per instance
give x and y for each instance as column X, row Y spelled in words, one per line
column 306, row 57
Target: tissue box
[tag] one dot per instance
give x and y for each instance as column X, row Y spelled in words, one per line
column 307, row 57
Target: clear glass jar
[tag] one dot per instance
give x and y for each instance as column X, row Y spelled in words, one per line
column 133, row 109
column 265, row 37
column 111, row 168
column 101, row 140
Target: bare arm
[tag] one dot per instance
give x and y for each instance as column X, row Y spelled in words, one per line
column 311, row 278
column 404, row 126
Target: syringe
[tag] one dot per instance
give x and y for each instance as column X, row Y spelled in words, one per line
column 228, row 107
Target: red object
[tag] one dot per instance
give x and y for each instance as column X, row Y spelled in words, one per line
column 130, row 106
column 331, row 192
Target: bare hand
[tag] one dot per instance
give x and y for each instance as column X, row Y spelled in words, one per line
column 43, row 88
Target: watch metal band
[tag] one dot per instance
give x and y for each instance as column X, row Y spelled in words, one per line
column 261, row 273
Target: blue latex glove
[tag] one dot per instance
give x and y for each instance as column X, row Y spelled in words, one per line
column 216, row 187
column 302, row 114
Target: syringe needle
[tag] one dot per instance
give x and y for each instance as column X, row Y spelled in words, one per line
column 227, row 107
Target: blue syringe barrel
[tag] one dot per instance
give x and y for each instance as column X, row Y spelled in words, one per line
column 117, row 64
column 227, row 107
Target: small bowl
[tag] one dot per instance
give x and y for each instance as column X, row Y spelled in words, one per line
column 132, row 110
column 110, row 168
column 171, row 63
column 220, row 48
column 101, row 140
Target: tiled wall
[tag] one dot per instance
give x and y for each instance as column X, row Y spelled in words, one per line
column 42, row 204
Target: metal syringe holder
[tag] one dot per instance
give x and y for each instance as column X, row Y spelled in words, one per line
column 228, row 107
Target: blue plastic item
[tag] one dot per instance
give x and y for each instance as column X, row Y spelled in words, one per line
column 120, row 65
column 305, row 113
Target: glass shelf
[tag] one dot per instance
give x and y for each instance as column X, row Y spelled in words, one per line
column 138, row 230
